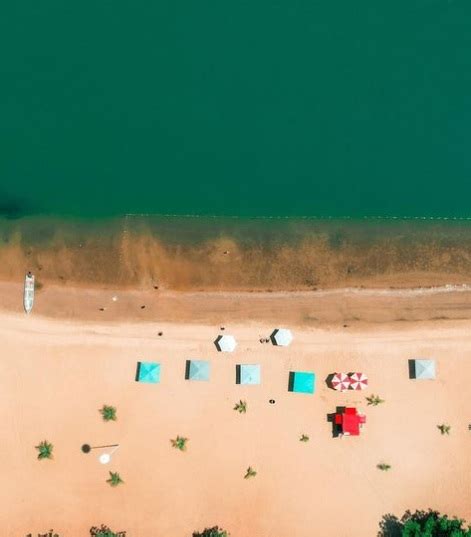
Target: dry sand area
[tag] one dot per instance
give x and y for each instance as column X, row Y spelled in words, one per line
column 55, row 374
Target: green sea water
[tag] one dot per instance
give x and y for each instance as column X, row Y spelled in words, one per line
column 247, row 108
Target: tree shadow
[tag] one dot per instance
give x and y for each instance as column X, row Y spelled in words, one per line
column 390, row 526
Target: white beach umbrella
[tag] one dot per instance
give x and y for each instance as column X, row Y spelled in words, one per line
column 104, row 458
column 226, row 343
column 282, row 337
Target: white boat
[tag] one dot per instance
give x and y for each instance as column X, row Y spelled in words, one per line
column 28, row 296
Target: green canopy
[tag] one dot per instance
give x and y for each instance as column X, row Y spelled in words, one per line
column 302, row 381
column 197, row 370
column 148, row 372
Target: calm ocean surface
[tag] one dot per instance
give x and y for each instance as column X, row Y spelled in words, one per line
column 266, row 108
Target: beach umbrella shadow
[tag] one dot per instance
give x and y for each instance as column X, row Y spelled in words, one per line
column 328, row 380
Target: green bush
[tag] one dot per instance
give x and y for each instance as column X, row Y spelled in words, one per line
column 241, row 407
column 108, row 413
column 423, row 524
column 179, row 443
column 211, row 532
column 114, row 479
column 45, row 449
column 104, row 531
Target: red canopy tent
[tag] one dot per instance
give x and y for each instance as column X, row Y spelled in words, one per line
column 350, row 421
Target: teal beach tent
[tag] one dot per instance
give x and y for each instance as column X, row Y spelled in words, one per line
column 148, row 372
column 197, row 370
column 302, row 382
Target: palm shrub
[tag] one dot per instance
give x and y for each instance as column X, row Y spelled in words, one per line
column 383, row 466
column 44, row 450
column 374, row 400
column 104, row 531
column 179, row 443
column 250, row 473
column 114, row 479
column 304, row 438
column 444, row 429
column 241, row 407
column 211, row 532
column 108, row 413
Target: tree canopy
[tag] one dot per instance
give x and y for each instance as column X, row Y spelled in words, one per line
column 104, row 531
column 423, row 524
column 211, row 532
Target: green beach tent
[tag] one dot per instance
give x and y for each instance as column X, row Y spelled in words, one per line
column 248, row 374
column 197, row 370
column 148, row 372
column 302, row 382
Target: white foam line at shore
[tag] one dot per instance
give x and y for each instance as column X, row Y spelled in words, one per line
column 410, row 292
column 301, row 217
column 414, row 291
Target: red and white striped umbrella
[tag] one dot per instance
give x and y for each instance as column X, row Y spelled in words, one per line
column 358, row 381
column 340, row 382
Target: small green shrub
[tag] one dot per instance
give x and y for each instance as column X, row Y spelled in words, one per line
column 45, row 449
column 108, row 413
column 374, row 400
column 179, row 443
column 114, row 479
column 250, row 473
column 241, row 407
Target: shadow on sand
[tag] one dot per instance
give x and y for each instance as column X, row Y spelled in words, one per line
column 336, row 429
column 328, row 380
column 390, row 526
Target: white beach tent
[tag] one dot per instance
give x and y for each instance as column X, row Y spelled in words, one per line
column 424, row 369
column 226, row 343
column 248, row 374
column 282, row 337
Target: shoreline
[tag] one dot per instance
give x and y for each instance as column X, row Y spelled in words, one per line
column 334, row 307
column 220, row 254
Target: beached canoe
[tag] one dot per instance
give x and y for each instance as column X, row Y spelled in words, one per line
column 28, row 296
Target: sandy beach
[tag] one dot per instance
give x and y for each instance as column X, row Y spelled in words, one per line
column 67, row 359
